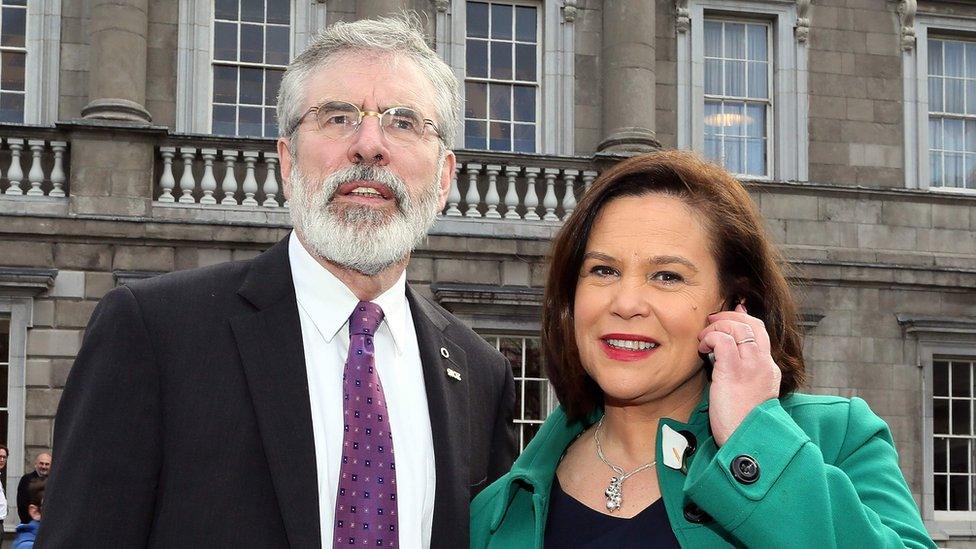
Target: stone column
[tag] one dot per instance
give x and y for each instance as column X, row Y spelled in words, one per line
column 371, row 9
column 117, row 70
column 628, row 76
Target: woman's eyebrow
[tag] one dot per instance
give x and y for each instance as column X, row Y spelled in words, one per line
column 671, row 259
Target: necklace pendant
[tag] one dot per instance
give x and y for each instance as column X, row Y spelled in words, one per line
column 613, row 494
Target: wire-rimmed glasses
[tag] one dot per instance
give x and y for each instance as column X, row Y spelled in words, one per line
column 341, row 119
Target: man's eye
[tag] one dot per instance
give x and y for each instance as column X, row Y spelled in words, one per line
column 337, row 119
column 405, row 124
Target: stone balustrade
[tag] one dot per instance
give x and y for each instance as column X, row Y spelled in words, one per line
column 485, row 185
column 33, row 164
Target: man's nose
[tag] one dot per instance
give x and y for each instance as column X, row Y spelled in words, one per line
column 368, row 145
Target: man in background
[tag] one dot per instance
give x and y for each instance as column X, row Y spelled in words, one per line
column 42, row 466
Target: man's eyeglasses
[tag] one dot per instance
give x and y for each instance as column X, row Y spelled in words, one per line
column 340, row 119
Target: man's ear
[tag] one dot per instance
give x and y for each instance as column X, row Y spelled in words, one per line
column 285, row 161
column 447, row 176
column 34, row 512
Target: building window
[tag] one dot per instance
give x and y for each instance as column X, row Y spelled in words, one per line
column 737, row 95
column 954, row 441
column 251, row 51
column 534, row 398
column 13, row 60
column 742, row 86
column 502, row 80
column 234, row 52
column 952, row 113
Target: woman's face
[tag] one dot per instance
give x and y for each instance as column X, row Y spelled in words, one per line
column 647, row 284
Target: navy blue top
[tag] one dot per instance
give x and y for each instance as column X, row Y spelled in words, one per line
column 573, row 524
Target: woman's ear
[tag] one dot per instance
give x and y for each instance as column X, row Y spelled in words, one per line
column 34, row 511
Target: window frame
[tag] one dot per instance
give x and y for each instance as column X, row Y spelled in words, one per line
column 555, row 123
column 42, row 65
column 19, row 310
column 194, row 59
column 915, row 65
column 787, row 138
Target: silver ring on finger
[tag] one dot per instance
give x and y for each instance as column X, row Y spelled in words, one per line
column 746, row 340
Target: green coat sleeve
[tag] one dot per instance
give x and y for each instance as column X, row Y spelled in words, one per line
column 843, row 490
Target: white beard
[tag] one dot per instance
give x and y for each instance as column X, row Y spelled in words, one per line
column 356, row 237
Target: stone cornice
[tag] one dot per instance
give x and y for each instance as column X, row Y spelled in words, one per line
column 26, row 281
column 922, row 324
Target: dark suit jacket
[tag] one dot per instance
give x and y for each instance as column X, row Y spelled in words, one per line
column 185, row 421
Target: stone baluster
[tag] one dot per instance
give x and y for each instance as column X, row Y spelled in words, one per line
column 15, row 173
column 549, row 202
column 511, row 195
column 588, row 177
column 58, row 178
column 270, row 181
column 167, row 182
column 491, row 197
column 454, row 196
column 229, row 184
column 569, row 199
column 250, row 187
column 187, row 182
column 36, row 175
column 472, row 197
column 208, row 183
column 531, row 196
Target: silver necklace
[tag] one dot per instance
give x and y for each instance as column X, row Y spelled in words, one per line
column 614, row 491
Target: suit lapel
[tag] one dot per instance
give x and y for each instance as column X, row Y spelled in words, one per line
column 447, row 403
column 273, row 356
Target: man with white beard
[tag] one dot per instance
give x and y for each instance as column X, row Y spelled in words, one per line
column 308, row 397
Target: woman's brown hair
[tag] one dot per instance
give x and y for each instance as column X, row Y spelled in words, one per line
column 748, row 265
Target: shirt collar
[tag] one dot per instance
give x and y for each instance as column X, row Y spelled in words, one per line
column 329, row 302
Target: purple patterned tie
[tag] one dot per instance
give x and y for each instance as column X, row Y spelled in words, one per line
column 366, row 507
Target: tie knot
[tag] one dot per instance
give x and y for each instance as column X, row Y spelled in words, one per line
column 365, row 319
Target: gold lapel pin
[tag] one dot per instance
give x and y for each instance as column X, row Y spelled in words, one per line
column 454, row 374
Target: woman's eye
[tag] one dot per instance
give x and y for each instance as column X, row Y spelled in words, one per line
column 667, row 277
column 602, row 271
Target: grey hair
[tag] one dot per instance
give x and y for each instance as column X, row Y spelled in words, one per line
column 400, row 36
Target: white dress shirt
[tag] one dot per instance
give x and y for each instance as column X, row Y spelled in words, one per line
column 324, row 307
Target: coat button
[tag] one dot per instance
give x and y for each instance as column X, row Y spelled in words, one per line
column 745, row 469
column 695, row 515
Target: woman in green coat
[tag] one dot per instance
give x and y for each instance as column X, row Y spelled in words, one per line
column 671, row 339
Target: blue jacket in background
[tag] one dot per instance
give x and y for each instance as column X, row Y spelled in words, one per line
column 26, row 534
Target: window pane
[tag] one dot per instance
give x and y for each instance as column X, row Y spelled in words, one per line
column 755, row 121
column 475, row 100
column 270, row 123
column 756, row 157
column 970, row 96
column 733, row 155
column 14, row 27
column 477, row 19
column 225, row 41
column 252, row 43
column 524, row 103
column 735, row 78
column 935, row 95
column 735, row 44
column 757, row 42
column 935, row 57
column 961, row 417
column 225, row 84
column 958, row 455
column 941, row 489
column 524, row 138
column 535, row 399
column 935, row 139
column 252, row 10
column 953, row 58
column 713, row 118
column 713, row 150
column 225, row 9
column 953, row 134
column 935, row 170
column 971, row 135
column 279, row 11
column 12, row 71
column 940, row 455
column 713, row 39
column 970, row 171
column 500, row 102
column 961, row 385
column 475, row 135
column 501, row 60
column 758, row 81
column 251, row 122
column 525, row 62
column 525, row 23
column 533, row 360
column 955, row 98
column 12, row 107
column 501, row 21
column 272, row 81
column 500, row 136
column 970, row 60
column 223, row 120
column 476, row 57
column 252, row 84
column 958, row 493
column 713, row 76
column 277, row 46
column 940, row 416
column 953, row 168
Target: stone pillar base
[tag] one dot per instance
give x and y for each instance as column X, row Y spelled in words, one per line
column 636, row 140
column 116, row 109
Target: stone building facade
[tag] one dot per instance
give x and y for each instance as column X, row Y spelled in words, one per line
column 137, row 139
